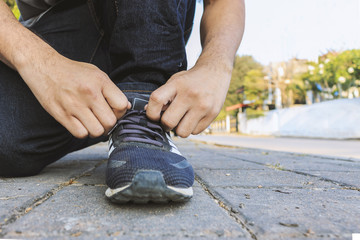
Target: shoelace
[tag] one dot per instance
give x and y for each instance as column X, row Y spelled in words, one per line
column 136, row 127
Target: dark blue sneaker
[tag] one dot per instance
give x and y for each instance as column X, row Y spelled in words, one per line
column 144, row 164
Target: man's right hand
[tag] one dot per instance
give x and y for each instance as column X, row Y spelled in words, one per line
column 78, row 95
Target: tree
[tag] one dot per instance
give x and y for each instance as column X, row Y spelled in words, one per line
column 255, row 86
column 345, row 65
column 335, row 72
column 242, row 66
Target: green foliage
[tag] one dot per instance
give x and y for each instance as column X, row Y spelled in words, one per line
column 331, row 68
column 339, row 66
column 247, row 73
column 242, row 66
column 325, row 74
column 255, row 86
column 12, row 4
column 298, row 87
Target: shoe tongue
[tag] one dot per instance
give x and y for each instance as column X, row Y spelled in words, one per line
column 138, row 101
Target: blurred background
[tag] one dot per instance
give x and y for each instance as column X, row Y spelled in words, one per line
column 13, row 6
column 297, row 71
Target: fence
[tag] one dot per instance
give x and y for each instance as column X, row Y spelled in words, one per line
column 230, row 125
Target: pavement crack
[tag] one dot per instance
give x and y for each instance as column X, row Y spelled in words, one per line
column 223, row 203
column 27, row 208
column 337, row 183
column 13, row 197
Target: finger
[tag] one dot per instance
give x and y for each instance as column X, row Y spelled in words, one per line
column 202, row 125
column 116, row 99
column 172, row 116
column 163, row 109
column 188, row 123
column 91, row 123
column 158, row 99
column 75, row 127
column 104, row 114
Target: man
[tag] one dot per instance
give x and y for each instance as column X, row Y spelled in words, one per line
column 73, row 68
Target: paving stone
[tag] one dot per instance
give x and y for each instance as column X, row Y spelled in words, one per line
column 293, row 161
column 339, row 170
column 295, row 213
column 83, row 211
column 302, row 163
column 207, row 157
column 17, row 194
column 66, row 168
column 210, row 160
column 343, row 171
column 348, row 177
column 14, row 197
column 271, row 202
column 96, row 177
column 262, row 178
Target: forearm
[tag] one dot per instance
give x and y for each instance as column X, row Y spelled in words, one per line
column 222, row 28
column 18, row 45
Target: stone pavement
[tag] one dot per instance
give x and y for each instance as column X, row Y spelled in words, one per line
column 239, row 194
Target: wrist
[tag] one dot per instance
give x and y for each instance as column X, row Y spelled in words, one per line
column 215, row 62
column 21, row 48
column 41, row 58
column 39, row 55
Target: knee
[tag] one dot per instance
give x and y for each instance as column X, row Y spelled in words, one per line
column 17, row 162
column 15, row 165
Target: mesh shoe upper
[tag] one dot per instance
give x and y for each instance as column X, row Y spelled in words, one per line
column 136, row 143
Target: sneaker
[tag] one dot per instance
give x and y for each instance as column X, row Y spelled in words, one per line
column 144, row 164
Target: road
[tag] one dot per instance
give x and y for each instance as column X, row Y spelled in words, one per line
column 337, row 148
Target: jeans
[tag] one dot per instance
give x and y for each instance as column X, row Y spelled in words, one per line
column 138, row 43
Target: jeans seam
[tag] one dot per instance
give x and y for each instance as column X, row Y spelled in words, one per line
column 96, row 20
column 94, row 17
column 96, row 48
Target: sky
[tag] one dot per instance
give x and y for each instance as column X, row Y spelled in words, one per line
column 277, row 30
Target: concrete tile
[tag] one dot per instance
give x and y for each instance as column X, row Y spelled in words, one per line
column 263, row 178
column 84, row 211
column 15, row 197
column 297, row 213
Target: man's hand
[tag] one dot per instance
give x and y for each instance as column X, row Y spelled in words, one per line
column 78, row 95
column 191, row 100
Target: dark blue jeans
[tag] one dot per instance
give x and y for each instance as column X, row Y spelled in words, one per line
column 138, row 43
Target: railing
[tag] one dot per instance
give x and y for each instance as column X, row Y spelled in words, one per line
column 230, row 125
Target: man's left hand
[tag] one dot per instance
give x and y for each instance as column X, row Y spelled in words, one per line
column 190, row 100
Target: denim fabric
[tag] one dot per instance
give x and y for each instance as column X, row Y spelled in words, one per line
column 139, row 44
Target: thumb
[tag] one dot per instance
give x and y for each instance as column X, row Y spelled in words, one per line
column 158, row 99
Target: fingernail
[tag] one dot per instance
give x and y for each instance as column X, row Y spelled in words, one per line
column 129, row 105
column 145, row 107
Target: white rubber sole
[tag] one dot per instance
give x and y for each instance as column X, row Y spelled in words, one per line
column 148, row 186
